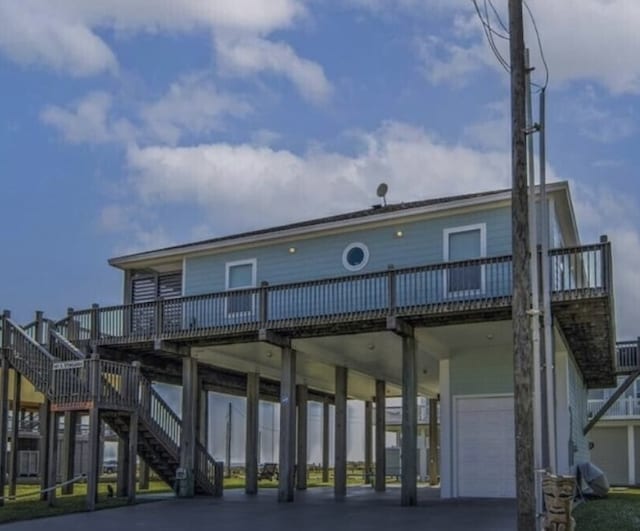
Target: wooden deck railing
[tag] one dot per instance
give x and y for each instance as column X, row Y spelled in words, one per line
column 485, row 283
column 627, row 358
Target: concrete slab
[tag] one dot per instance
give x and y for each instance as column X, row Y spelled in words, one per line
column 314, row 510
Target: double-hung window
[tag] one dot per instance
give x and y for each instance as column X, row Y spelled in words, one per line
column 240, row 275
column 463, row 244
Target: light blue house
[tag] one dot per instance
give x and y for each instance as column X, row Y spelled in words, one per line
column 331, row 289
column 405, row 300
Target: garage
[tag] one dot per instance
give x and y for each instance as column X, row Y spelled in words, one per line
column 610, row 453
column 484, row 447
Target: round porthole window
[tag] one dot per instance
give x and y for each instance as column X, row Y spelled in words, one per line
column 355, row 256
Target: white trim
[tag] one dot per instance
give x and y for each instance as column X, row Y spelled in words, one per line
column 446, row 233
column 254, row 275
column 365, row 259
column 454, row 432
column 446, row 450
column 342, row 225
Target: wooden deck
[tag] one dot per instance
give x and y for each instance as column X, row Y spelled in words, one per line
column 430, row 295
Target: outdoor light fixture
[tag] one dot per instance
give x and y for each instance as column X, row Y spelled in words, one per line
column 292, row 250
column 399, row 234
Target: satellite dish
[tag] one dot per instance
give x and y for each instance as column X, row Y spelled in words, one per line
column 382, row 192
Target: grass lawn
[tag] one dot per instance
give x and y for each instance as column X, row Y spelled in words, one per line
column 28, row 506
column 620, row 511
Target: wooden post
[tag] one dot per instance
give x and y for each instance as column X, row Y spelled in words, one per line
column 52, row 473
column 95, row 322
column 251, row 446
column 301, row 475
column 381, row 432
column 325, row 441
column 69, row 450
column 73, row 332
column 287, row 425
column 203, row 415
column 4, row 401
column 144, row 475
column 340, row 460
column 93, row 472
column 43, row 447
column 264, row 303
column 409, row 450
column 521, row 300
column 368, row 440
column 15, row 433
column 186, row 487
column 122, row 471
column 133, row 454
column 433, row 442
column 40, row 328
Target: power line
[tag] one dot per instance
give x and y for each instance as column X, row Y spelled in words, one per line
column 542, row 56
column 489, row 32
column 497, row 14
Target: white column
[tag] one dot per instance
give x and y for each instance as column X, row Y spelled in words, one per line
column 446, row 435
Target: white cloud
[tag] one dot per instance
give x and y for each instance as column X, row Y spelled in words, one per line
column 88, row 121
column 583, row 40
column 36, row 33
column 251, row 55
column 193, row 105
column 603, row 210
column 494, row 132
column 62, row 34
column 585, row 112
column 444, row 62
column 412, row 6
column 248, row 179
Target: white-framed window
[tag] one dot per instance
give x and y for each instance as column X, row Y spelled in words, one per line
column 240, row 275
column 464, row 243
column 355, row 256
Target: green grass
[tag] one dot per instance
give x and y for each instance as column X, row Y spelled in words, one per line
column 620, row 511
column 28, row 505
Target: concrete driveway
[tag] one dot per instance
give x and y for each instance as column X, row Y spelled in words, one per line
column 314, row 510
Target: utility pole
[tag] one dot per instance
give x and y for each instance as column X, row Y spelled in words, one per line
column 521, row 305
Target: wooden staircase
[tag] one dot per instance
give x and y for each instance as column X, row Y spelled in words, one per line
column 74, row 382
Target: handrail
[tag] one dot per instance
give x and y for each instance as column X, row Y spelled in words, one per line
column 627, row 356
column 166, row 425
column 480, row 283
column 206, row 470
column 29, row 357
column 62, row 348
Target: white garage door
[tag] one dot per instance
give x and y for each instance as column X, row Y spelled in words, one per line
column 485, row 452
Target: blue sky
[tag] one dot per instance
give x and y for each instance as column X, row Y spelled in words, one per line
column 128, row 125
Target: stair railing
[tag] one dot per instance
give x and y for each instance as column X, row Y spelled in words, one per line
column 159, row 417
column 61, row 348
column 208, row 471
column 29, row 357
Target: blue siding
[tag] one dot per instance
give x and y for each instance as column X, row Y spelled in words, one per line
column 321, row 257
